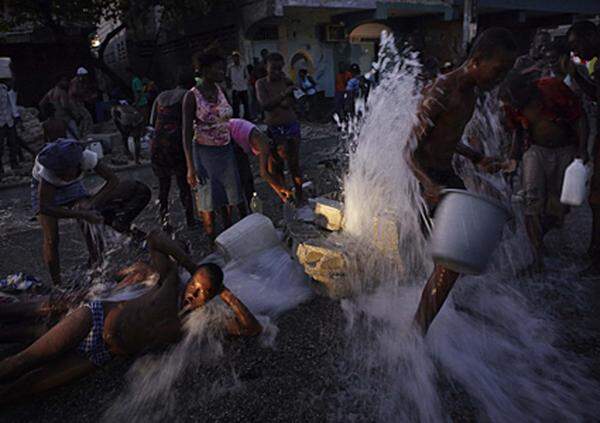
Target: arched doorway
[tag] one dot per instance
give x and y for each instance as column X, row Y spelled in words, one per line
column 301, row 60
column 364, row 42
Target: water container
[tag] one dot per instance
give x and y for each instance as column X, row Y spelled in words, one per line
column 96, row 147
column 256, row 204
column 467, row 229
column 574, row 189
column 250, row 235
column 5, row 71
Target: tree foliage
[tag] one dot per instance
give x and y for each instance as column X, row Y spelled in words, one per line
column 58, row 14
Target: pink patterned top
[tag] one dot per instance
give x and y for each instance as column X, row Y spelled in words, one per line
column 211, row 125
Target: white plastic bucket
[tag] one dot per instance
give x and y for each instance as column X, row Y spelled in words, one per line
column 467, row 229
column 96, row 147
column 250, row 235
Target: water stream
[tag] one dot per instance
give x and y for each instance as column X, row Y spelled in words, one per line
column 491, row 354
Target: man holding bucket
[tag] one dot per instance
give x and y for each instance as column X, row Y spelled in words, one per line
column 446, row 108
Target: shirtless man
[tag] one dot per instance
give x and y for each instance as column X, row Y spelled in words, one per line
column 555, row 126
column 59, row 98
column 447, row 107
column 275, row 93
column 584, row 40
column 92, row 334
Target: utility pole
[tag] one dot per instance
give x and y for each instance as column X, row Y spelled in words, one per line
column 469, row 23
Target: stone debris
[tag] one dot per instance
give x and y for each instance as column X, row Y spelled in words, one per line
column 325, row 262
column 30, row 129
column 330, row 213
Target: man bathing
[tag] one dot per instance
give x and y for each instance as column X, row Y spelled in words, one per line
column 555, row 128
column 275, row 93
column 93, row 333
column 446, row 108
column 57, row 192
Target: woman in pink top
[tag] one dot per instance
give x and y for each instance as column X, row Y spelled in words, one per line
column 211, row 164
column 272, row 157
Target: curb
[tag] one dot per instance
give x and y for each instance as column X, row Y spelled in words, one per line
column 12, row 185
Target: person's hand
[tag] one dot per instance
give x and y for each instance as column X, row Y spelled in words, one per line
column 583, row 155
column 92, row 216
column 490, row 164
column 85, row 204
column 285, row 194
column 509, row 166
column 432, row 193
column 192, row 178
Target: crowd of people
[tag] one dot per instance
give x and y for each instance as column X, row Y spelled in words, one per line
column 548, row 101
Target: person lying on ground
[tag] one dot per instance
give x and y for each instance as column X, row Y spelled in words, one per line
column 555, row 125
column 445, row 110
column 275, row 93
column 272, row 156
column 57, row 192
column 92, row 334
column 584, row 39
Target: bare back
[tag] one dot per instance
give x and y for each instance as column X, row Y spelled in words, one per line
column 446, row 109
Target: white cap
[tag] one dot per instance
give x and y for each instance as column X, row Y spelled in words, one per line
column 82, row 71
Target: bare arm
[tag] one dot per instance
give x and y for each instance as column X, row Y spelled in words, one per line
column 46, row 194
column 153, row 112
column 260, row 141
column 466, row 151
column 582, row 130
column 159, row 243
column 189, row 110
column 429, row 110
column 244, row 323
column 270, row 101
column 112, row 180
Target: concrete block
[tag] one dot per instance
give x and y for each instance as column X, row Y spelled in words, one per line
column 326, row 263
column 330, row 214
column 386, row 234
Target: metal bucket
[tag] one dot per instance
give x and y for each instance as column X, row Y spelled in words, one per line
column 467, row 229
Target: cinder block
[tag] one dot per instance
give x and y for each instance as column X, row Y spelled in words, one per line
column 330, row 214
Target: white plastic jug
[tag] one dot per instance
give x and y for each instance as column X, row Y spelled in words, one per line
column 574, row 189
column 250, row 235
column 5, row 71
column 96, row 147
column 467, row 229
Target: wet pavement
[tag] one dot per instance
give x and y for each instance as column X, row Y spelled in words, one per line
column 301, row 377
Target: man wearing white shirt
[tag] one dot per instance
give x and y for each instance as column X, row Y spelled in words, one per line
column 9, row 116
column 57, row 192
column 237, row 75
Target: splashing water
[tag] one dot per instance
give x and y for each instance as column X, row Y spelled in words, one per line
column 490, row 354
column 268, row 283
